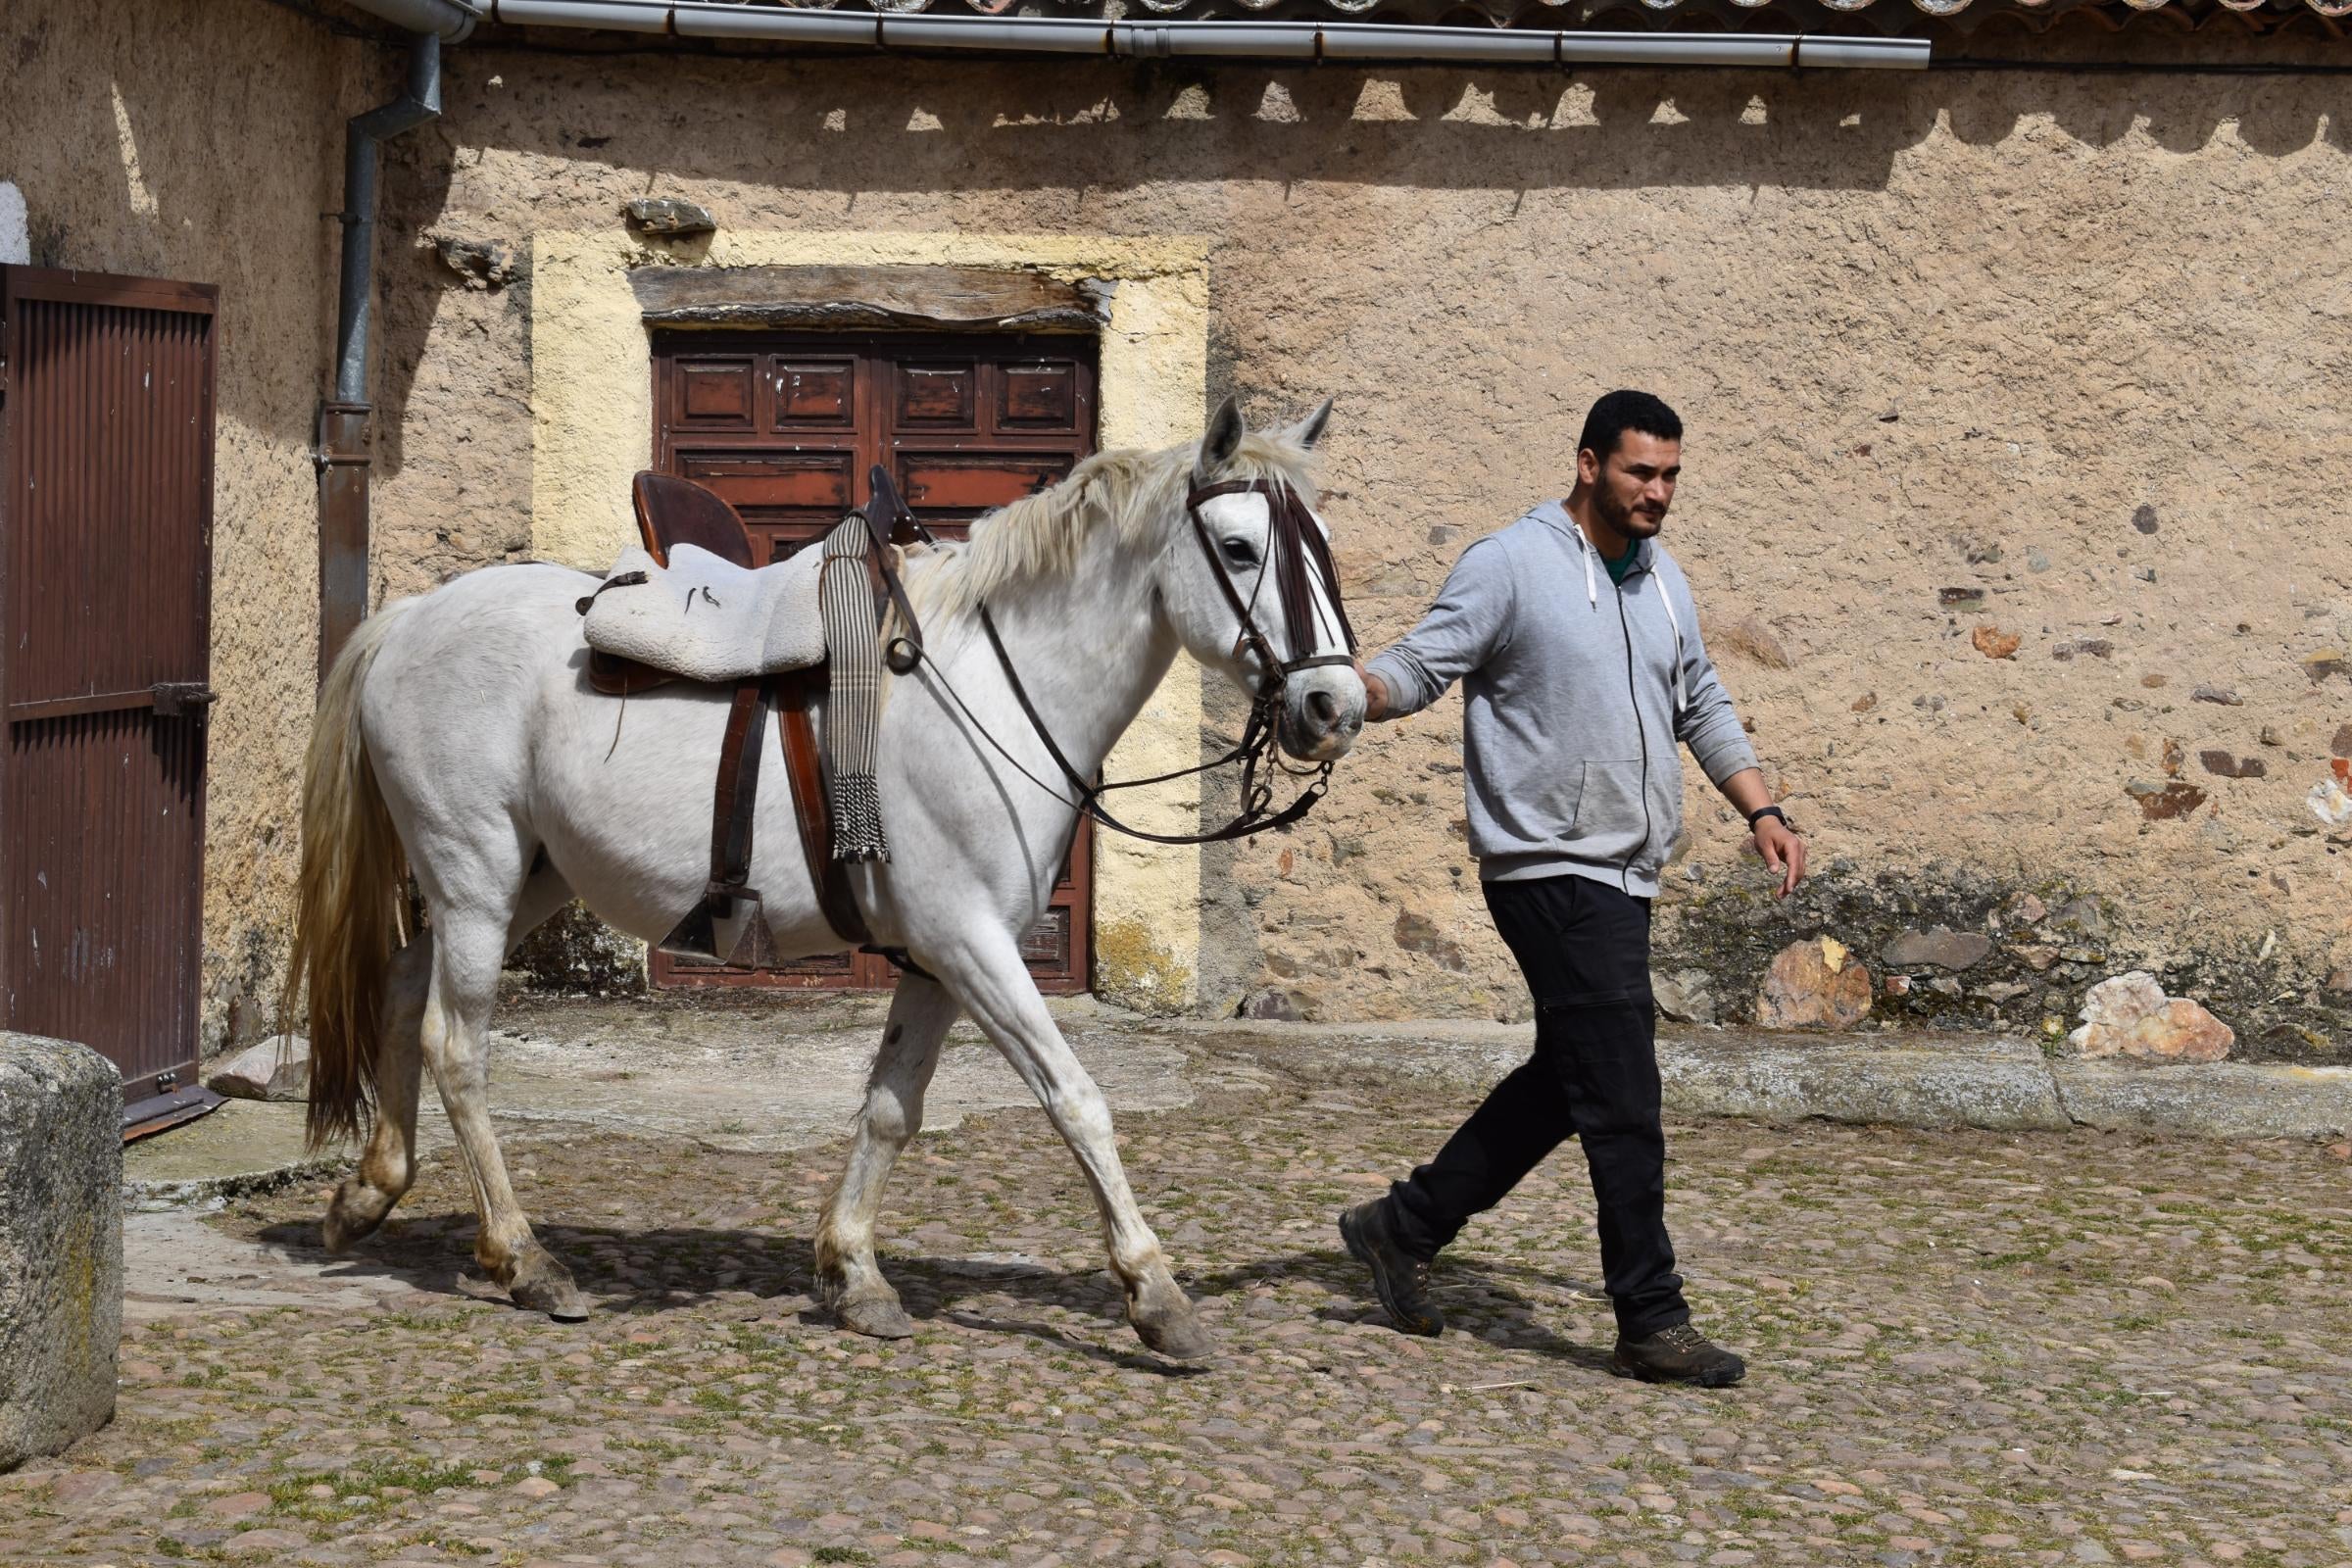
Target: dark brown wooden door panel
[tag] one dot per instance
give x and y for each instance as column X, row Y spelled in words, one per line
column 106, row 512
column 717, row 395
column 1040, row 397
column 814, row 393
column 937, row 395
column 816, row 482
column 962, row 485
column 963, row 424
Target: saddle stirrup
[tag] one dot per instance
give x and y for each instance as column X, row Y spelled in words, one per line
column 729, row 890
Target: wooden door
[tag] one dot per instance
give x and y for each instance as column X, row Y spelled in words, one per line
column 105, row 514
column 786, row 426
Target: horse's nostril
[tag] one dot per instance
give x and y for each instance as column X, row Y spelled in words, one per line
column 1323, row 708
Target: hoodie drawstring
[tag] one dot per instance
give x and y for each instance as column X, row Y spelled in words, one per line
column 1586, row 549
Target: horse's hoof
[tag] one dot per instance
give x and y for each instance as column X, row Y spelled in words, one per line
column 1178, row 1336
column 559, row 1299
column 1165, row 1319
column 337, row 1236
column 877, row 1318
column 355, row 1213
column 543, row 1284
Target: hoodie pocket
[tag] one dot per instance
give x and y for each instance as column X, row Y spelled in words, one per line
column 1610, row 820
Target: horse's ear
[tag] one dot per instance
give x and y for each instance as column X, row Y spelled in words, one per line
column 1223, row 440
column 1307, row 431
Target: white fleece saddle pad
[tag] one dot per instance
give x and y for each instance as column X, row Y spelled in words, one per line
column 707, row 620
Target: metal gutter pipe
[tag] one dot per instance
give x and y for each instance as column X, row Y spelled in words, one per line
column 344, row 439
column 1360, row 41
column 450, row 21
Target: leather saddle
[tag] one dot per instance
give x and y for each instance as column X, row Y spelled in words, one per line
column 672, row 515
column 674, row 511
column 701, row 546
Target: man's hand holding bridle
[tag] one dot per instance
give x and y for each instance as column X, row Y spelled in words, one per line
column 1376, row 694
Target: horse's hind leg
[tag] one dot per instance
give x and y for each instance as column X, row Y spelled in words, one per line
column 469, row 950
column 995, row 986
column 847, row 1274
column 388, row 1167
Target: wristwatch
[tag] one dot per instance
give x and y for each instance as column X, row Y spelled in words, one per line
column 1769, row 810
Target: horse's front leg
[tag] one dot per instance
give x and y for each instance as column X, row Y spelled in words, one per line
column 988, row 977
column 847, row 1274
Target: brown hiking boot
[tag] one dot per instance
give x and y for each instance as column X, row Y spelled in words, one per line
column 1677, row 1354
column 1400, row 1279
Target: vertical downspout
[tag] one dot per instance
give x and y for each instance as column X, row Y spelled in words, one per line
column 345, row 441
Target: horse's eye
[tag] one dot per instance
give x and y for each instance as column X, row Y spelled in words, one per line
column 1237, row 552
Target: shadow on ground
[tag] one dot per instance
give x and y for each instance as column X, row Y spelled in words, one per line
column 644, row 1272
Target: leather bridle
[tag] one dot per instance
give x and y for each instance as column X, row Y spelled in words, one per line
column 1295, row 546
column 1295, row 549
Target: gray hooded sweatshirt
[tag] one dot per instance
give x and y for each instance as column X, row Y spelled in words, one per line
column 1577, row 690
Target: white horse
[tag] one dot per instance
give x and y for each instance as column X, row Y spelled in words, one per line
column 458, row 740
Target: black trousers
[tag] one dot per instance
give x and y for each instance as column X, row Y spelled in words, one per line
column 1584, row 946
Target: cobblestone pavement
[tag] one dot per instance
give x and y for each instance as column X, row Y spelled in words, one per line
column 1966, row 1348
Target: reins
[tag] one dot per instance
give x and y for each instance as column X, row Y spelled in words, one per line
column 1296, row 546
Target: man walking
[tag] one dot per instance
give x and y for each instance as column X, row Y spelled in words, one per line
column 1577, row 643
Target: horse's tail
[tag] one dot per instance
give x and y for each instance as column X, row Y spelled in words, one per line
column 353, row 887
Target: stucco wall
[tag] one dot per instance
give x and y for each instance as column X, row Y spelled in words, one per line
column 204, row 143
column 1928, row 332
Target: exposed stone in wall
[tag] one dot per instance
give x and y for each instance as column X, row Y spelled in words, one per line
column 668, row 215
column 2037, row 955
column 2129, row 1016
column 1939, row 947
column 484, row 264
column 1136, row 970
column 1814, row 984
column 1687, row 995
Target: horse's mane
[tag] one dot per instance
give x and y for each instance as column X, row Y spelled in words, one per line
column 1040, row 536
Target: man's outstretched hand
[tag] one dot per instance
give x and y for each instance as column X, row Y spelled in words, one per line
column 1783, row 851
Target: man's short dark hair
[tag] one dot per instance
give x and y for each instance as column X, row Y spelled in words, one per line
column 1619, row 411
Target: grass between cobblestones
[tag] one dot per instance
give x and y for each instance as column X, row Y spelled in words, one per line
column 1967, row 1348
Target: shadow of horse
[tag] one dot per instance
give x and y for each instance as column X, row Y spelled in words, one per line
column 646, row 1272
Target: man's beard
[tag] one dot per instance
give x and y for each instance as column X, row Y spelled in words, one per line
column 1627, row 520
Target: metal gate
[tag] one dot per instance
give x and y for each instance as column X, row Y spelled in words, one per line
column 106, row 520
column 786, row 425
